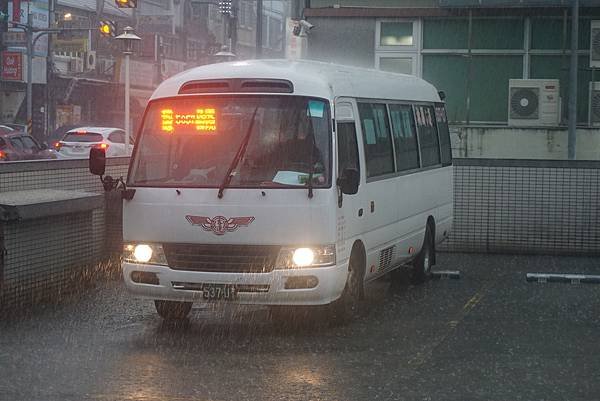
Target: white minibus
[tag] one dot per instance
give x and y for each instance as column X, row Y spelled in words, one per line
column 283, row 183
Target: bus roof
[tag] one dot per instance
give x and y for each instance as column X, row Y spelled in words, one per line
column 311, row 78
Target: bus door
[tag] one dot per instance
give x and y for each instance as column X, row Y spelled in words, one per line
column 350, row 207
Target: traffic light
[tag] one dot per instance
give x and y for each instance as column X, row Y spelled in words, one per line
column 126, row 3
column 108, row 28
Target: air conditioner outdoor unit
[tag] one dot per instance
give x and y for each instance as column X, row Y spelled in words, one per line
column 76, row 65
column 533, row 102
column 595, row 45
column 90, row 60
column 594, row 108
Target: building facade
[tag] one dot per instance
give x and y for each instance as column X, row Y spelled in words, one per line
column 469, row 52
column 78, row 76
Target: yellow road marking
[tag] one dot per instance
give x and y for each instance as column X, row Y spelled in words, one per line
column 471, row 303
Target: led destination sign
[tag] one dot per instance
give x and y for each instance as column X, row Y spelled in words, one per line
column 202, row 120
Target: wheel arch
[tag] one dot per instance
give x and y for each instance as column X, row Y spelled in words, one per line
column 358, row 254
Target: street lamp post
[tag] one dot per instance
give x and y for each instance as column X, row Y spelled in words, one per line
column 128, row 38
column 225, row 54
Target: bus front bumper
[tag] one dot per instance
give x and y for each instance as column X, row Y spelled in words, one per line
column 307, row 286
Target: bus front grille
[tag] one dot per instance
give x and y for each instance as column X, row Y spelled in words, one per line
column 221, row 258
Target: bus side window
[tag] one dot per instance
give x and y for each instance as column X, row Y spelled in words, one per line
column 428, row 136
column 347, row 147
column 444, row 132
column 377, row 139
column 405, row 137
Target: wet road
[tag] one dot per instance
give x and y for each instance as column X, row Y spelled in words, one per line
column 488, row 336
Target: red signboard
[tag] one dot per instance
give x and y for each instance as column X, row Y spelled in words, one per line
column 12, row 66
column 16, row 10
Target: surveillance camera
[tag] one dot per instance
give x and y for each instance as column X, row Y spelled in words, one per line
column 306, row 25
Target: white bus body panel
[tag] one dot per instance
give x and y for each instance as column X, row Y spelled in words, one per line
column 394, row 210
column 281, row 217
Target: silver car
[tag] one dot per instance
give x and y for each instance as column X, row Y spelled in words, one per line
column 76, row 143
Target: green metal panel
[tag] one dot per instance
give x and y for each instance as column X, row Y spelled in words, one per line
column 449, row 73
column 374, row 3
column 488, row 33
column 557, row 67
column 489, row 86
column 585, row 25
column 501, row 33
column 514, row 3
column 450, row 33
column 546, row 33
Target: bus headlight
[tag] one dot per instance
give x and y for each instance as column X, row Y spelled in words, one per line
column 313, row 256
column 303, row 257
column 144, row 253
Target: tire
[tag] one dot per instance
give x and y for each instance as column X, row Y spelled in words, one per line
column 172, row 310
column 421, row 270
column 347, row 306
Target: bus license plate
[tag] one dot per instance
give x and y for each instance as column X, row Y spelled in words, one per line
column 213, row 292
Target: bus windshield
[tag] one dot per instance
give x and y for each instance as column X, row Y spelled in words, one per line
column 192, row 142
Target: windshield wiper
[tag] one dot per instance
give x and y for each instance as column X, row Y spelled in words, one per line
column 238, row 156
column 311, row 171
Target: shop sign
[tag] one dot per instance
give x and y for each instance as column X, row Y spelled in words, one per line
column 12, row 66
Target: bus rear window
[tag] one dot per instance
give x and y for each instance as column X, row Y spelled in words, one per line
column 82, row 137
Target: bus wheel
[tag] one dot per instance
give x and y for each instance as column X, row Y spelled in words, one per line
column 421, row 270
column 172, row 310
column 346, row 307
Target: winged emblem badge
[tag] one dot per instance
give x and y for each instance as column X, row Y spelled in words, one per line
column 219, row 225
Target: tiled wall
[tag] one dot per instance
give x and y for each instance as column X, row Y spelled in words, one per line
column 526, row 206
column 57, row 174
column 41, row 254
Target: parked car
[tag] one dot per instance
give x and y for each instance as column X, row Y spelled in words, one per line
column 5, row 129
column 76, row 143
column 17, row 145
column 16, row 127
column 55, row 136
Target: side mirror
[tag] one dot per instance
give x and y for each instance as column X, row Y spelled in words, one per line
column 349, row 181
column 97, row 161
column 44, row 146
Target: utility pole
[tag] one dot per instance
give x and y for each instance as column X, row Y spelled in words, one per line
column 572, row 139
column 3, row 22
column 50, row 112
column 32, row 35
column 233, row 18
column 30, row 47
column 259, row 25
